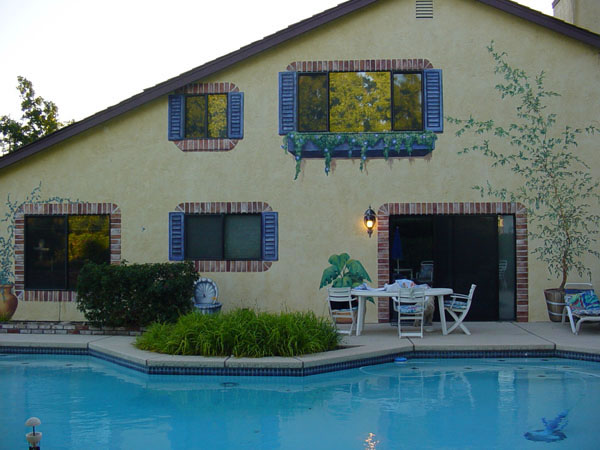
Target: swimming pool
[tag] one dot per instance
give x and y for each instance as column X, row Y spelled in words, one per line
column 85, row 402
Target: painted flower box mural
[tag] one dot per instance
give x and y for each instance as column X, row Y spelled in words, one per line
column 357, row 145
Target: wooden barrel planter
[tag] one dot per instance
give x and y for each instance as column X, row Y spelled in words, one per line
column 555, row 302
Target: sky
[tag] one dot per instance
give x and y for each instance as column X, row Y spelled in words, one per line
column 88, row 55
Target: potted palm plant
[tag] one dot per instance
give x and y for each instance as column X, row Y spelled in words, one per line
column 556, row 187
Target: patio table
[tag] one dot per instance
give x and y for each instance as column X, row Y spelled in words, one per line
column 362, row 294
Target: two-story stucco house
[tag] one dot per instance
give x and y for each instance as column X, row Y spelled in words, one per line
column 194, row 169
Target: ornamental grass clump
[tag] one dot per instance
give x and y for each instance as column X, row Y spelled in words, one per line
column 242, row 333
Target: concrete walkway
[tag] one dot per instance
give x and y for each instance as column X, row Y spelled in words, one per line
column 377, row 340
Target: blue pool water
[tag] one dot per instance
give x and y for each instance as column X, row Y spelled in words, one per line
column 84, row 402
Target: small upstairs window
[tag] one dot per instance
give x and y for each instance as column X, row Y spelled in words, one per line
column 206, row 116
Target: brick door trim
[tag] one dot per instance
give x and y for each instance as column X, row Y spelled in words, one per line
column 455, row 208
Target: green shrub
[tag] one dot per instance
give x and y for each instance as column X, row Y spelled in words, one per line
column 242, row 332
column 135, row 295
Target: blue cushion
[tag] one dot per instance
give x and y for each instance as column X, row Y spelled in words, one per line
column 455, row 304
column 410, row 309
column 584, row 303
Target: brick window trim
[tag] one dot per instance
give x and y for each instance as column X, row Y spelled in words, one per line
column 227, row 208
column 49, row 209
column 463, row 208
column 360, row 65
column 206, row 145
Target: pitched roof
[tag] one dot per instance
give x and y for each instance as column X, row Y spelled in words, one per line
column 257, row 47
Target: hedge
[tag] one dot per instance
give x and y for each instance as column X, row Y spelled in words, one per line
column 135, row 295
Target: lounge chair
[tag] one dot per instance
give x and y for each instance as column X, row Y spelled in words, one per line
column 458, row 306
column 581, row 305
column 342, row 306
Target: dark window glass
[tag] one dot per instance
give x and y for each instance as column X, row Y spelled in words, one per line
column 217, row 116
column 408, row 110
column 206, row 116
column 195, row 117
column 45, row 252
column 312, row 102
column 204, row 237
column 223, row 236
column 242, row 236
column 355, row 102
column 89, row 241
column 359, row 102
column 56, row 247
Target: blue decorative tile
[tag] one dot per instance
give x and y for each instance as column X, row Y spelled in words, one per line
column 302, row 372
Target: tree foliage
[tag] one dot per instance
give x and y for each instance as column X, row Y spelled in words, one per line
column 360, row 101
column 556, row 186
column 40, row 118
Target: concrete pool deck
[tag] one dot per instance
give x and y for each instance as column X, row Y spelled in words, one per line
column 377, row 341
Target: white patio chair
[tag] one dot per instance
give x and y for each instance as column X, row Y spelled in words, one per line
column 581, row 305
column 342, row 306
column 410, row 306
column 458, row 306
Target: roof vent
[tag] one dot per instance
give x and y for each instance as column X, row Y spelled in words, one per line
column 424, row 9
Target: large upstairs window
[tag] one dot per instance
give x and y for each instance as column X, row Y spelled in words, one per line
column 351, row 102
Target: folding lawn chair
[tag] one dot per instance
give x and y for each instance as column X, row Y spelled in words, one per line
column 410, row 305
column 342, row 308
column 458, row 306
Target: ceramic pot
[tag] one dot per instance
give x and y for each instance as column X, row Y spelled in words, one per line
column 8, row 301
column 555, row 302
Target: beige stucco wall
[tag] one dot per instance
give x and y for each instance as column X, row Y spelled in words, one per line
column 128, row 161
column 583, row 13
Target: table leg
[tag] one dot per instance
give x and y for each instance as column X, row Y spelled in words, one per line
column 440, row 299
column 361, row 315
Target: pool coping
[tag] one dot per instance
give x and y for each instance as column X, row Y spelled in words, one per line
column 378, row 344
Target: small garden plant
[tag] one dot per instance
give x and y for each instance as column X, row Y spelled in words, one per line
column 242, row 333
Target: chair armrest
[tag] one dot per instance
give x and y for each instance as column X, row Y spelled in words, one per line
column 462, row 296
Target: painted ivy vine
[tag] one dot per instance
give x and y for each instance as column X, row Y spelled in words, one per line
column 328, row 142
column 7, row 242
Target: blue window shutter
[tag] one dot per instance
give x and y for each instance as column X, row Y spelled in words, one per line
column 235, row 115
column 270, row 236
column 434, row 111
column 287, row 102
column 176, row 236
column 176, row 117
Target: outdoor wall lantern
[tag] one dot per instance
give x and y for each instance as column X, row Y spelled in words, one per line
column 370, row 219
